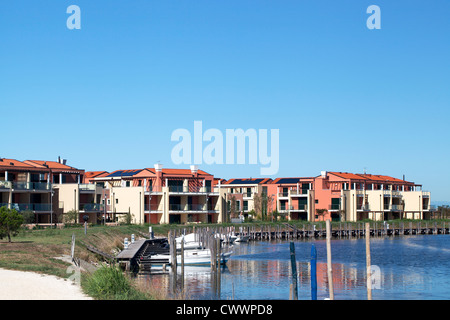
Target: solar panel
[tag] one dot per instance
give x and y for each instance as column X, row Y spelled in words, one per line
column 246, row 181
column 288, row 180
column 124, row 173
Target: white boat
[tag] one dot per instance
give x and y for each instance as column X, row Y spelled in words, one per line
column 242, row 238
column 188, row 241
column 194, row 257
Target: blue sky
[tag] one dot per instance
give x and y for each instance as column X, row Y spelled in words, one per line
column 344, row 98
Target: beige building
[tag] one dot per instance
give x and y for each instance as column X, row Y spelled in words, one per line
column 159, row 196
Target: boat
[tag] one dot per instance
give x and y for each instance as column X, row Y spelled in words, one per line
column 200, row 257
column 242, row 238
column 189, row 242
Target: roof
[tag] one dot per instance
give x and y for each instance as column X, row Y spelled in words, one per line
column 123, row 173
column 291, row 180
column 54, row 165
column 248, row 181
column 13, row 163
column 94, row 174
column 369, row 177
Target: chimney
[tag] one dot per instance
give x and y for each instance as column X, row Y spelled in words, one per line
column 59, row 159
column 194, row 169
column 158, row 167
column 323, row 174
column 64, row 161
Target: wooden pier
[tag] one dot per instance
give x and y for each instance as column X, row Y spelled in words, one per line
column 136, row 256
column 341, row 230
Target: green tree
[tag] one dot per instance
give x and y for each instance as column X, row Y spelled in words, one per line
column 10, row 222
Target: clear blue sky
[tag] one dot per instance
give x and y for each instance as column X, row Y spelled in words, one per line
column 344, row 97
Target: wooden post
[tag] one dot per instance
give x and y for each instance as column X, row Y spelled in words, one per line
column 182, row 264
column 294, row 271
column 368, row 263
column 313, row 272
column 329, row 266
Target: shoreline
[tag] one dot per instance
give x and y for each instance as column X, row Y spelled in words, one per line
column 26, row 285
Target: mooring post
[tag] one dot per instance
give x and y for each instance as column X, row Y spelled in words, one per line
column 368, row 263
column 313, row 272
column 294, row 271
column 329, row 266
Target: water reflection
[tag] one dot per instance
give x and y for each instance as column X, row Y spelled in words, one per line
column 414, row 267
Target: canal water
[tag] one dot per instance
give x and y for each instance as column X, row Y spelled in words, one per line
column 406, row 268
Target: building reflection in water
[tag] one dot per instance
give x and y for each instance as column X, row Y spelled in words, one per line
column 263, row 279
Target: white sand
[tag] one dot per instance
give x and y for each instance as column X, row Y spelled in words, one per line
column 19, row 285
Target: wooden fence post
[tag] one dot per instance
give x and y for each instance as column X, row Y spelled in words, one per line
column 368, row 263
column 329, row 266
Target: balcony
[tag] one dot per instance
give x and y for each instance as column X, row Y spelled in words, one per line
column 189, row 189
column 187, row 207
column 36, row 207
column 393, row 207
column 86, row 187
column 362, row 207
column 32, row 186
column 300, row 207
column 5, row 185
column 91, row 207
column 334, row 207
column 152, row 207
column 298, row 192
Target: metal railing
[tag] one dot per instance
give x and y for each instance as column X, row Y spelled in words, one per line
column 86, row 187
column 334, row 206
column 32, row 186
column 5, row 184
column 91, row 207
column 28, row 206
column 151, row 207
column 300, row 207
column 187, row 207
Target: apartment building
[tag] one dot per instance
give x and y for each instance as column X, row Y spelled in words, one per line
column 31, row 185
column 352, row 197
column 157, row 195
column 241, row 193
column 294, row 197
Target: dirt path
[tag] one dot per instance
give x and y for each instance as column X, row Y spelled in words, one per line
column 19, row 285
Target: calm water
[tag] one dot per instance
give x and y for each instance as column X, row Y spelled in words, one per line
column 411, row 267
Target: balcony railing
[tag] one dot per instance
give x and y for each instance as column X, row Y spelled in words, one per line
column 394, row 207
column 86, row 187
column 151, row 207
column 187, row 207
column 32, row 186
column 298, row 191
column 334, row 206
column 28, row 206
column 91, row 207
column 300, row 207
column 5, row 184
column 362, row 207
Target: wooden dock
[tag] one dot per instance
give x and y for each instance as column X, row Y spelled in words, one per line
column 136, row 257
column 342, row 230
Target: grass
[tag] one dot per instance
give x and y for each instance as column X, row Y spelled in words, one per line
column 110, row 283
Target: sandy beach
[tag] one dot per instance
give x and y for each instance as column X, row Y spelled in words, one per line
column 19, row 285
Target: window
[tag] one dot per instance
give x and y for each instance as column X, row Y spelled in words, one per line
column 117, row 201
column 316, row 201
